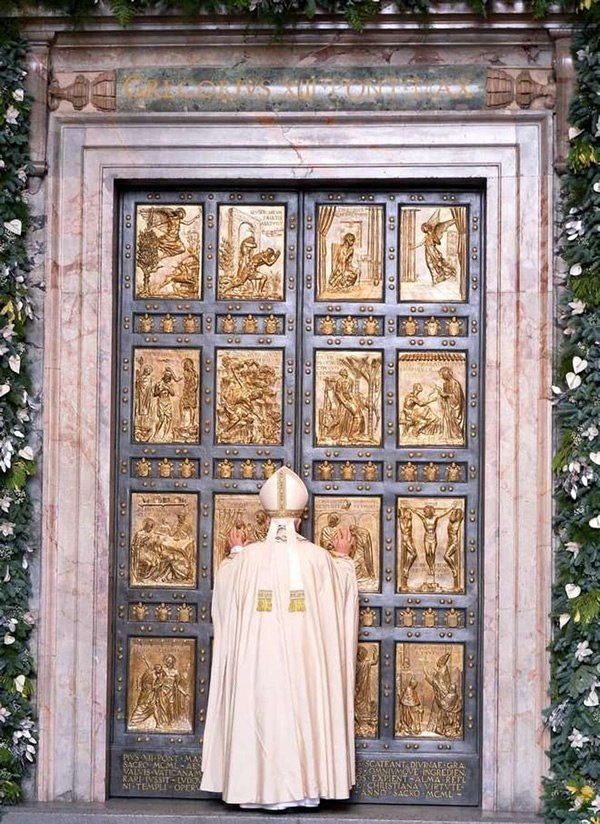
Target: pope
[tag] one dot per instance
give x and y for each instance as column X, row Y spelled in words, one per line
column 280, row 720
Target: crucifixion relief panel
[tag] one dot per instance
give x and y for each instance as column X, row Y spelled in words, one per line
column 338, row 332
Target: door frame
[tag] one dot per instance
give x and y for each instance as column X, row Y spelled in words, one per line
column 88, row 157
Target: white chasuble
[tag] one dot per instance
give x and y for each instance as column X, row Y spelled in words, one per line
column 280, row 721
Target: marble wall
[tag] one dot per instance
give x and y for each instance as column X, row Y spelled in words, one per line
column 89, row 146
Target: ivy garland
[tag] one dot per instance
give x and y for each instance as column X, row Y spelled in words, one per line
column 17, row 726
column 572, row 791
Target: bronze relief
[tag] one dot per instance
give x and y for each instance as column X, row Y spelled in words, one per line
column 241, row 512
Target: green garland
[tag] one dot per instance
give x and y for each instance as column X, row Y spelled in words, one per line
column 17, row 726
column 572, row 791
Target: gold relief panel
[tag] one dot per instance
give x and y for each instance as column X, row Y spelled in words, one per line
column 348, row 398
column 431, row 398
column 429, row 690
column 168, row 252
column 163, row 548
column 366, row 690
column 251, row 252
column 166, row 386
column 240, row 514
column 362, row 515
column 249, row 396
column 160, row 685
column 431, row 544
column 350, row 253
column 433, row 254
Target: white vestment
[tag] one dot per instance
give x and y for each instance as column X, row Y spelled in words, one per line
column 280, row 721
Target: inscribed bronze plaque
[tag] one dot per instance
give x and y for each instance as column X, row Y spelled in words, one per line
column 170, row 774
column 433, row 253
column 431, row 398
column 348, row 398
column 362, row 515
column 160, row 684
column 349, row 253
column 251, row 252
column 423, row 781
column 240, row 512
column 431, row 544
column 249, row 396
column 429, row 690
column 166, row 395
column 164, row 529
column 168, row 252
column 366, row 690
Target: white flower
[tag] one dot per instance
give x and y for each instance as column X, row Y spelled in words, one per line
column 576, row 270
column 15, row 363
column 592, row 699
column 29, row 618
column 20, row 683
column 577, row 739
column 5, row 503
column 578, row 307
column 574, row 131
column 7, row 528
column 4, row 714
column 596, row 186
column 595, row 805
column 595, row 522
column 574, row 228
column 12, row 115
column 26, row 452
column 572, row 546
column 18, row 94
column 572, row 590
column 563, row 619
column 13, row 226
column 591, row 432
column 9, row 639
column 583, row 651
column 22, row 175
column 6, row 578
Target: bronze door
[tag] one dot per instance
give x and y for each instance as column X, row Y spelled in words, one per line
column 338, row 332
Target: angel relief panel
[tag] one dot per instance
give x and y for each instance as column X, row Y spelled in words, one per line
column 348, row 398
column 433, row 254
column 168, row 252
column 249, row 396
column 164, row 530
column 362, row 516
column 350, row 253
column 431, row 398
column 166, row 395
column 251, row 252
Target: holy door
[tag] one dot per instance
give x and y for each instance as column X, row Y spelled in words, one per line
column 338, row 332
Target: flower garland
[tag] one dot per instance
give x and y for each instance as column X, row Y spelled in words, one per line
column 572, row 791
column 17, row 726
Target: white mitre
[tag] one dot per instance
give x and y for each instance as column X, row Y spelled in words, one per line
column 284, row 495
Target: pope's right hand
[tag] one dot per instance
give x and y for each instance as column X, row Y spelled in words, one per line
column 342, row 541
column 237, row 537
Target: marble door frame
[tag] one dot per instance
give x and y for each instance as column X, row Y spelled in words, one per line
column 88, row 155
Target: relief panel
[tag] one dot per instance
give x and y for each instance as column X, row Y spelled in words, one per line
column 366, row 690
column 431, row 398
column 433, row 254
column 168, row 252
column 166, row 395
column 429, row 690
column 160, row 685
column 362, row 516
column 241, row 512
column 430, row 544
column 251, row 252
column 163, row 550
column 349, row 253
column 248, row 403
column 348, row 398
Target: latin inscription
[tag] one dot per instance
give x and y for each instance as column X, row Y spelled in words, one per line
column 152, row 772
column 411, row 779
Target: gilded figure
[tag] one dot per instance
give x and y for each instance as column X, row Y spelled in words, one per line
column 163, row 543
column 410, row 326
column 408, row 472
column 163, row 612
column 225, row 469
column 146, row 323
column 247, row 469
column 432, row 326
column 453, row 472
column 184, row 613
column 186, row 468
column 371, row 326
column 236, row 512
column 361, row 515
column 370, row 471
column 429, row 618
column 268, row 468
column 142, row 468
column 430, row 472
column 348, row 398
column 190, row 324
column 408, row 617
column 433, row 264
column 251, row 244
column 249, row 396
column 228, row 325
column 140, row 612
column 454, row 326
column 167, row 324
column 325, row 471
column 452, row 618
column 250, row 325
column 327, row 325
column 271, row 325
column 168, row 252
column 431, row 389
column 348, row 471
column 165, row 468
column 367, row 617
column 350, row 253
column 349, row 326
column 366, row 691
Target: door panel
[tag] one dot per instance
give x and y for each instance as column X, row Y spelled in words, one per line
column 338, row 332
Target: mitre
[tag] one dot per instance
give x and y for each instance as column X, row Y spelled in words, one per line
column 284, row 495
